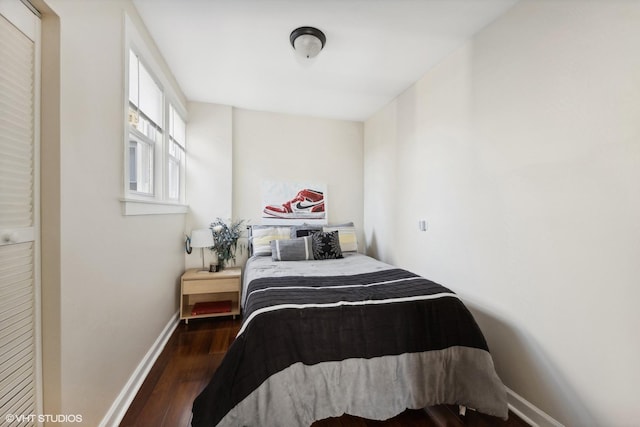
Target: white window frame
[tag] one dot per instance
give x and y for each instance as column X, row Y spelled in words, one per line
column 158, row 200
column 182, row 147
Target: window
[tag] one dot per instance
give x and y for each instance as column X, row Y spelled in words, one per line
column 155, row 143
column 145, row 126
column 175, row 171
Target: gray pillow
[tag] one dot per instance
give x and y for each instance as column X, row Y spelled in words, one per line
column 304, row 230
column 300, row 249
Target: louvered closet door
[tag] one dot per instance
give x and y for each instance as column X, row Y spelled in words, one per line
column 19, row 346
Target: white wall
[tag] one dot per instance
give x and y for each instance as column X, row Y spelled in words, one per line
column 116, row 285
column 209, row 168
column 281, row 147
column 522, row 150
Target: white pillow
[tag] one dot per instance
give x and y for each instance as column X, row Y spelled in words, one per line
column 261, row 238
column 347, row 236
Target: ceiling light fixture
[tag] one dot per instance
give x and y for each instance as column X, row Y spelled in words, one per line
column 307, row 41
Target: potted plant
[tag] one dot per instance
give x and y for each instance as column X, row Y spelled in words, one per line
column 225, row 239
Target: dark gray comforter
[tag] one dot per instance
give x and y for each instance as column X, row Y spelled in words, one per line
column 368, row 344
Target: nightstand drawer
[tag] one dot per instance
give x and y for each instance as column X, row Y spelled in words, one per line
column 211, row 285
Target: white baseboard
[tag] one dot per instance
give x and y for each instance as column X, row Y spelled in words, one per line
column 529, row 413
column 121, row 404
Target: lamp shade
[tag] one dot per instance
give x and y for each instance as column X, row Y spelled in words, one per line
column 201, row 238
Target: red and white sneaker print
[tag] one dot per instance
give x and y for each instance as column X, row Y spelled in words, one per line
column 306, row 204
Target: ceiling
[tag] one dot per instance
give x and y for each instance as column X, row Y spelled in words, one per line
column 237, row 52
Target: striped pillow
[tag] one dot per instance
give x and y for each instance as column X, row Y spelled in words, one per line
column 292, row 250
column 347, row 236
column 261, row 238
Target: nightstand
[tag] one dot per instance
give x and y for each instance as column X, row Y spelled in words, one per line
column 217, row 289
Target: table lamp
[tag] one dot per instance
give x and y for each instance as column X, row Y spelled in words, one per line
column 202, row 238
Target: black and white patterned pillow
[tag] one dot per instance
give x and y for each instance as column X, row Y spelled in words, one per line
column 326, row 245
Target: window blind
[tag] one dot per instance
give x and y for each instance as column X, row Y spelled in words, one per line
column 16, row 127
column 18, row 395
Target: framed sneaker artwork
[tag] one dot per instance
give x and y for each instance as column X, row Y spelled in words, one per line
column 295, row 203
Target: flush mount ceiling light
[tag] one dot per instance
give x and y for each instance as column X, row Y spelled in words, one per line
column 307, row 41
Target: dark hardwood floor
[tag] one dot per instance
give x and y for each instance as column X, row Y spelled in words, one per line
column 193, row 353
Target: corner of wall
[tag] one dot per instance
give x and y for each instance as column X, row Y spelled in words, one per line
column 209, row 170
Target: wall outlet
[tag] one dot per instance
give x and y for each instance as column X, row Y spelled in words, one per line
column 423, row 225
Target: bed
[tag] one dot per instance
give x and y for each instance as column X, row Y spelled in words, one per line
column 321, row 338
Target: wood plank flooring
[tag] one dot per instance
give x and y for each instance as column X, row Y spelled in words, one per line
column 193, row 353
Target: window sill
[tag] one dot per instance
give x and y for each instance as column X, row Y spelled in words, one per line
column 148, row 207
